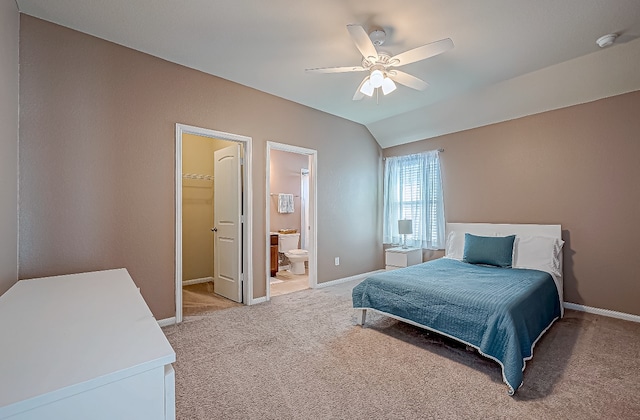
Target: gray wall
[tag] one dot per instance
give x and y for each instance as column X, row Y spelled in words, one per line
column 576, row 166
column 97, row 162
column 9, row 108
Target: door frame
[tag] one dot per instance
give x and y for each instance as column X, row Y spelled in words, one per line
column 247, row 235
column 313, row 206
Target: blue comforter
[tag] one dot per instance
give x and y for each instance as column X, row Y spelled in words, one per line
column 500, row 311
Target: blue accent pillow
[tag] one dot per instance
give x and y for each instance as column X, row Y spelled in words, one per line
column 491, row 250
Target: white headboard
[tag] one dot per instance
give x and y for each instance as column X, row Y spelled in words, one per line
column 491, row 229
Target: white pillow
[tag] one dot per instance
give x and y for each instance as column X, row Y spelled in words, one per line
column 455, row 245
column 539, row 253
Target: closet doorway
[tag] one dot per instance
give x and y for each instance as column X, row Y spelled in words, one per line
column 291, row 240
column 213, row 220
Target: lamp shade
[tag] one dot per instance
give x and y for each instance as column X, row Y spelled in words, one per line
column 388, row 86
column 405, row 227
column 367, row 88
column 376, row 78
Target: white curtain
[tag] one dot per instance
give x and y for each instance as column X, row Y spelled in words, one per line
column 413, row 190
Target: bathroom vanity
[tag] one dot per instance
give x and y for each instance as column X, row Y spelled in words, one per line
column 274, row 254
column 83, row 346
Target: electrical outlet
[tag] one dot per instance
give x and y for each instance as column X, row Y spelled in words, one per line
column 337, row 260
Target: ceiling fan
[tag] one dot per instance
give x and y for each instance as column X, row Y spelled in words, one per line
column 382, row 66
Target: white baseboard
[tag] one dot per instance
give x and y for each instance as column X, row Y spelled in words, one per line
column 167, row 321
column 255, row 301
column 346, row 279
column 603, row 312
column 196, row 281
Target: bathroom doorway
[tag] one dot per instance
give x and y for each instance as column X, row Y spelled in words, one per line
column 213, row 265
column 291, row 257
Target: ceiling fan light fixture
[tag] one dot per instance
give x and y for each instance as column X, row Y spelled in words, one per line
column 380, row 65
column 376, row 78
column 367, row 88
column 388, row 86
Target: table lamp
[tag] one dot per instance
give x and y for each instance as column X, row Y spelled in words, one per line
column 405, row 228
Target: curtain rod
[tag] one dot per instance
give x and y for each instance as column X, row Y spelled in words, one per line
column 439, row 150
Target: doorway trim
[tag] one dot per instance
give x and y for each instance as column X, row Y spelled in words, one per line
column 247, row 235
column 313, row 206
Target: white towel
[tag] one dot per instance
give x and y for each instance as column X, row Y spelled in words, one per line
column 285, row 203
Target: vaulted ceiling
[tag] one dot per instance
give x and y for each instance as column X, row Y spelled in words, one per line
column 511, row 57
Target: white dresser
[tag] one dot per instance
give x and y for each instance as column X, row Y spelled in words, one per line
column 83, row 346
column 402, row 257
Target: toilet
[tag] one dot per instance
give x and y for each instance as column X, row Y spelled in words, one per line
column 288, row 244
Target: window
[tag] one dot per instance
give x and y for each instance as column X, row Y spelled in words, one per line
column 413, row 190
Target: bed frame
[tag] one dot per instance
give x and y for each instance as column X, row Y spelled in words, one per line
column 552, row 231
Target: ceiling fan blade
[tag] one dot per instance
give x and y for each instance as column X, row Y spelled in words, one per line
column 407, row 80
column 362, row 41
column 421, row 53
column 335, row 69
column 359, row 95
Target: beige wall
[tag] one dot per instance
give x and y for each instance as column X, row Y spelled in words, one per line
column 285, row 178
column 9, row 106
column 97, row 140
column 197, row 205
column 576, row 166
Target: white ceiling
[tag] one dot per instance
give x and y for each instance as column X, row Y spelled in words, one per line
column 511, row 57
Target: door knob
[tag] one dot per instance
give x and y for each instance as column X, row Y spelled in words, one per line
column 215, row 229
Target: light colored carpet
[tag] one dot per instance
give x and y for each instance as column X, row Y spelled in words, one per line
column 200, row 298
column 301, row 356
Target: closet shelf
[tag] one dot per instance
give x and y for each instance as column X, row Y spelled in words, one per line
column 198, row 176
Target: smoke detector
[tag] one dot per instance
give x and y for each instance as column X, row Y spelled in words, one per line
column 606, row 40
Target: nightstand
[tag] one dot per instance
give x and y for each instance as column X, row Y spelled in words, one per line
column 402, row 257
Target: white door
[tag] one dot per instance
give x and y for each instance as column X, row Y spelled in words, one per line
column 227, row 230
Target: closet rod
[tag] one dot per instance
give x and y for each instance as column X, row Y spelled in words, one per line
column 272, row 194
column 198, row 176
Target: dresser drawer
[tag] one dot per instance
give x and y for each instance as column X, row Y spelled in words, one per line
column 402, row 257
column 396, row 259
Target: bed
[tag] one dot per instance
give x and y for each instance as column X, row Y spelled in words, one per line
column 495, row 297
